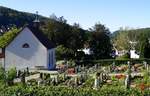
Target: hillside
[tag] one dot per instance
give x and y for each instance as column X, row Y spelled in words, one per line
column 140, row 30
column 9, row 17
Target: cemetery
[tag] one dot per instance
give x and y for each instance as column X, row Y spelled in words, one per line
column 128, row 76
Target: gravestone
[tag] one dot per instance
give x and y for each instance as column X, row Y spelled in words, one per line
column 113, row 67
column 128, row 76
column 146, row 65
column 97, row 81
column 23, row 77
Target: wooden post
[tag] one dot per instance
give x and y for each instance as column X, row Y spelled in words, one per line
column 109, row 69
column 97, row 81
column 23, row 78
column 128, row 76
column 113, row 66
column 28, row 73
column 96, row 67
column 146, row 66
column 56, row 79
column 39, row 82
column 41, row 75
column 76, row 69
column 64, row 77
column 76, row 80
column 18, row 73
column 83, row 67
column 79, row 68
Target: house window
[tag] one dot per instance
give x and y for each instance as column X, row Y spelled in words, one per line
column 26, row 45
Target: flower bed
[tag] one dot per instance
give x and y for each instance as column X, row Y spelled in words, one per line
column 120, row 76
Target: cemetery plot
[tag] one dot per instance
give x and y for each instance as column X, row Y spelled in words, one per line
column 98, row 78
column 126, row 75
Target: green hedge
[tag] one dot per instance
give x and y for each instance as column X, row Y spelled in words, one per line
column 65, row 91
column 105, row 62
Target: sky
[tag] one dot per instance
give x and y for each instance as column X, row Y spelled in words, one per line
column 112, row 13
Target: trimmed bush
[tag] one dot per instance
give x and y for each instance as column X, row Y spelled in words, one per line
column 66, row 91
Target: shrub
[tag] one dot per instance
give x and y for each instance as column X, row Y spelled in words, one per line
column 11, row 74
column 66, row 91
column 2, row 73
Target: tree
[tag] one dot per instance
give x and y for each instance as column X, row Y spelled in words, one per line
column 145, row 48
column 8, row 37
column 121, row 41
column 64, row 53
column 77, row 39
column 122, row 37
column 59, row 32
column 100, row 42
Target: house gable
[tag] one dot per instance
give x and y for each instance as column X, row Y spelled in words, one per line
column 25, row 51
column 41, row 37
column 11, row 35
column 25, row 35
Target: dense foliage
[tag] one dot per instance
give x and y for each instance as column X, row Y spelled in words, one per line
column 69, row 38
column 100, row 42
column 65, row 91
column 8, row 37
column 122, row 38
column 9, row 17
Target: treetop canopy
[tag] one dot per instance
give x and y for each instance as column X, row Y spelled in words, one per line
column 8, row 37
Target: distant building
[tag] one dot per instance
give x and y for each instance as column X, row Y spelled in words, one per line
column 121, row 53
column 134, row 55
column 87, row 51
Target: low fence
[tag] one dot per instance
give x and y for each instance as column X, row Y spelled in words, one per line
column 105, row 62
column 110, row 65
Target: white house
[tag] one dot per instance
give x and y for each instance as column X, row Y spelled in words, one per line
column 30, row 48
column 134, row 55
column 86, row 51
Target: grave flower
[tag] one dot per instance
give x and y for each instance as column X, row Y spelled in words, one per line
column 120, row 76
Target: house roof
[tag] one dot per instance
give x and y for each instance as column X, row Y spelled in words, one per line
column 41, row 37
column 37, row 32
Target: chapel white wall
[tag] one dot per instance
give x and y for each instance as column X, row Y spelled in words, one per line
column 16, row 56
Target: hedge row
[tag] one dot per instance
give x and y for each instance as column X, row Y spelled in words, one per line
column 65, row 91
column 105, row 62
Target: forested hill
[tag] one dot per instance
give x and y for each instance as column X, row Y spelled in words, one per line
column 139, row 30
column 9, row 17
column 123, row 39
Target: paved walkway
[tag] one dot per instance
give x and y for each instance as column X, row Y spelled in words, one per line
column 44, row 71
column 132, row 74
column 35, row 76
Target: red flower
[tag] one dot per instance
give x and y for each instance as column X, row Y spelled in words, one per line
column 71, row 71
column 142, row 86
column 120, row 76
